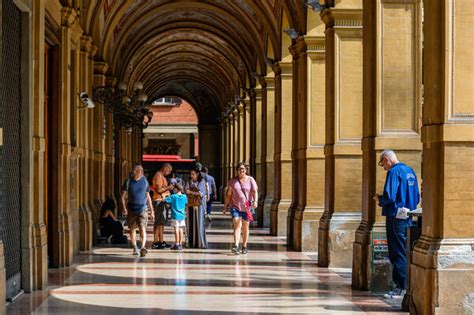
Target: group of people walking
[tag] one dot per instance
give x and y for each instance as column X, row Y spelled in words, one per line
column 190, row 207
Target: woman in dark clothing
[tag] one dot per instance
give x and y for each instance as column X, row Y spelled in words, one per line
column 196, row 187
column 109, row 226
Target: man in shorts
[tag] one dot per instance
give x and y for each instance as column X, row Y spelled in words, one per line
column 139, row 201
column 161, row 191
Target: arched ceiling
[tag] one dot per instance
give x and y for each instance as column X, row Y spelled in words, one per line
column 204, row 51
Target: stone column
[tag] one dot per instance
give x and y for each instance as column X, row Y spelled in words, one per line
column 308, row 154
column 224, row 156
column 247, row 137
column 241, row 133
column 86, row 210
column 442, row 270
column 35, row 249
column 70, row 34
column 343, row 136
column 270, row 149
column 233, row 139
column 260, row 148
column 103, row 139
column 283, row 140
column 392, row 98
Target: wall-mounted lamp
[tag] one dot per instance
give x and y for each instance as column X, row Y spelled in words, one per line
column 316, row 6
column 292, row 33
column 131, row 110
column 86, row 100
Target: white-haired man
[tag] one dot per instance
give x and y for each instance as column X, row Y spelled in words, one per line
column 400, row 195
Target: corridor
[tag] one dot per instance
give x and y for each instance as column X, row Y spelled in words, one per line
column 108, row 280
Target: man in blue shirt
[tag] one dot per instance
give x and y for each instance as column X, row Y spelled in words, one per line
column 211, row 182
column 139, row 201
column 400, row 195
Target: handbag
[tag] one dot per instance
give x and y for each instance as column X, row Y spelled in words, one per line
column 194, row 200
column 248, row 209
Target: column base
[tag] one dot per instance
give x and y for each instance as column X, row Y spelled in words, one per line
column 3, row 273
column 336, row 239
column 85, row 224
column 267, row 206
column 441, row 276
column 361, row 257
column 66, row 240
column 305, row 227
column 278, row 217
column 37, row 259
column 341, row 236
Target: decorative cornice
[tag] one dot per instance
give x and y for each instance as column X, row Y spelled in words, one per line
column 344, row 18
column 316, row 43
column 286, row 68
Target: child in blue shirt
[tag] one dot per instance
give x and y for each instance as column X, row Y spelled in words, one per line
column 178, row 202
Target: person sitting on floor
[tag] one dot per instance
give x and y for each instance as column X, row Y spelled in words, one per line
column 109, row 226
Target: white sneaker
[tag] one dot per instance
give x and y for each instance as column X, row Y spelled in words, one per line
column 136, row 252
column 397, row 293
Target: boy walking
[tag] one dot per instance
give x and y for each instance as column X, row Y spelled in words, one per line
column 178, row 203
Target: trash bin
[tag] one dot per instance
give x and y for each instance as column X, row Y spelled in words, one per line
column 413, row 235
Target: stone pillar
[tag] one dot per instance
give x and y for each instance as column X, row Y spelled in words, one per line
column 70, row 34
column 308, row 154
column 103, row 139
column 3, row 280
column 241, row 133
column 270, row 149
column 86, row 211
column 35, row 248
column 233, row 140
column 343, row 136
column 260, row 147
column 392, row 98
column 247, row 137
column 283, row 140
column 442, row 270
column 224, row 148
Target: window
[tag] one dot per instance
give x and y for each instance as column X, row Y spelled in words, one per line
column 167, row 101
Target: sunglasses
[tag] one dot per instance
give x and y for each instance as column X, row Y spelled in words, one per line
column 380, row 163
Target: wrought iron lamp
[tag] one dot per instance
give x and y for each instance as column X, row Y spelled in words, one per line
column 130, row 110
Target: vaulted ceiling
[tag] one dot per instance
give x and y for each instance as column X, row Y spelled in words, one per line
column 203, row 51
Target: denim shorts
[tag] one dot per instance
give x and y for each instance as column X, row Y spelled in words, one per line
column 239, row 214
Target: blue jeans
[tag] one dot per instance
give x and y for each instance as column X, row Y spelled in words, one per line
column 397, row 252
column 209, row 204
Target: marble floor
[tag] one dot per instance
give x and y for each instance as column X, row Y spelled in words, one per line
column 269, row 280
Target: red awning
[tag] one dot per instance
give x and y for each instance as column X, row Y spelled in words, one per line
column 164, row 158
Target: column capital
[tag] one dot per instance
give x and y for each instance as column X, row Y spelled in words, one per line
column 100, row 67
column 111, row 81
column 68, row 16
column 276, row 68
column 240, row 108
column 298, row 47
column 87, row 45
